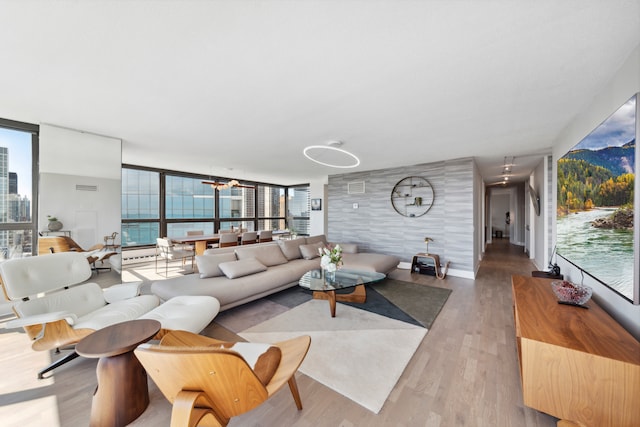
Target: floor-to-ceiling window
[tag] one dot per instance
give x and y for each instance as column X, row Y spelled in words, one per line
column 189, row 205
column 140, row 207
column 299, row 205
column 271, row 207
column 18, row 188
column 237, row 208
column 159, row 203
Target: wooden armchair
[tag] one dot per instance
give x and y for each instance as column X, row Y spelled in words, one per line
column 208, row 386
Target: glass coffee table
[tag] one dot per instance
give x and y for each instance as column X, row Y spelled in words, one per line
column 324, row 285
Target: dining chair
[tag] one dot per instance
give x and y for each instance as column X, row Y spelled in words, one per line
column 195, row 233
column 209, row 381
column 228, row 239
column 165, row 249
column 249, row 238
column 265, row 236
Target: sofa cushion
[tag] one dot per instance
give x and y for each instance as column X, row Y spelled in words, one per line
column 291, row 248
column 267, row 254
column 349, row 248
column 263, row 359
column 208, row 264
column 316, row 239
column 311, row 251
column 242, row 267
column 185, row 313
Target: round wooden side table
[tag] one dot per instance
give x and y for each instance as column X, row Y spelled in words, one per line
column 122, row 393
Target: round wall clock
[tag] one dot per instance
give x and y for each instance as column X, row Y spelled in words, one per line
column 412, row 196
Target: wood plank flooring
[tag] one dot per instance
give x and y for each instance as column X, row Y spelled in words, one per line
column 463, row 374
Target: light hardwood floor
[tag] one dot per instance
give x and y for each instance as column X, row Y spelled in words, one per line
column 463, row 374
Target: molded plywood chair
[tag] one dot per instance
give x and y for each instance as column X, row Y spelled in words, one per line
column 165, row 249
column 228, row 239
column 209, row 383
column 249, row 237
column 265, row 236
column 57, row 244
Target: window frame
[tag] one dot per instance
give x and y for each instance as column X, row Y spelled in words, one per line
column 218, row 221
column 32, row 225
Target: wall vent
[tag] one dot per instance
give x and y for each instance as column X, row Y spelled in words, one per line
column 82, row 187
column 356, row 187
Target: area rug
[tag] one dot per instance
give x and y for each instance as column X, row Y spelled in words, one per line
column 423, row 303
column 359, row 354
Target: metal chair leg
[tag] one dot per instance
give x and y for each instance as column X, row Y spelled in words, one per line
column 69, row 357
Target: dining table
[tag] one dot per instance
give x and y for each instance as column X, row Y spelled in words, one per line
column 201, row 241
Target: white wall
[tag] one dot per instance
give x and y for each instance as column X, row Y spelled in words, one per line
column 317, row 190
column 499, row 207
column 622, row 86
column 536, row 223
column 89, row 215
column 69, row 158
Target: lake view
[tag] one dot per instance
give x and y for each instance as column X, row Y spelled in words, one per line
column 605, row 254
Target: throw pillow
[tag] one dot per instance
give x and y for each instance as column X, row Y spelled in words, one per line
column 263, row 359
column 240, row 268
column 208, row 265
column 291, row 248
column 268, row 254
column 311, row 251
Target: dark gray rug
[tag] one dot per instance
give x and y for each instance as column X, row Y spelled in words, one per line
column 408, row 302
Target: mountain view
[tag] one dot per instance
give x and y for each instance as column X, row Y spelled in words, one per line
column 618, row 160
column 589, row 178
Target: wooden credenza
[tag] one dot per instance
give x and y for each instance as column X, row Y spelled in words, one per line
column 576, row 364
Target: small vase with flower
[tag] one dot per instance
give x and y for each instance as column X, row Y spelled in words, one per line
column 330, row 261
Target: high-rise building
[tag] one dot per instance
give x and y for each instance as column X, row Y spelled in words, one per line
column 13, row 183
column 4, row 200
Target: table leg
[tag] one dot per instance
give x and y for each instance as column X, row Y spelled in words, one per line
column 122, row 394
column 201, row 246
column 359, row 295
column 328, row 295
column 332, row 302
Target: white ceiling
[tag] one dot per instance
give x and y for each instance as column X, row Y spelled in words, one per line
column 239, row 88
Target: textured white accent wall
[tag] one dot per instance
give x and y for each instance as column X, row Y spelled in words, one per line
column 376, row 227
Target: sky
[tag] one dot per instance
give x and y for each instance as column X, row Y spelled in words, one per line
column 616, row 130
column 19, row 145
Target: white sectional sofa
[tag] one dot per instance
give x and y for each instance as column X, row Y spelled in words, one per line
column 237, row 275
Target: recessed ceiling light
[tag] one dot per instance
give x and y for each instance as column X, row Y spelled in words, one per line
column 330, row 155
